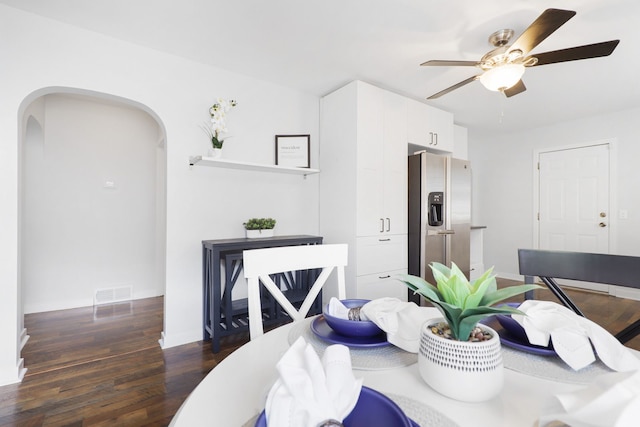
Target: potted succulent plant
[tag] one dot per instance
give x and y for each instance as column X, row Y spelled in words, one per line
column 259, row 227
column 459, row 357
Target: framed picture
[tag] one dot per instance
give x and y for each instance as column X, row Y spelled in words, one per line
column 293, row 151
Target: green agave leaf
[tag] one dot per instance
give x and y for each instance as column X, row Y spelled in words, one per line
column 504, row 293
column 452, row 315
column 442, row 282
column 421, row 286
column 461, row 290
column 460, row 284
column 481, row 285
column 487, row 275
column 446, row 271
column 470, row 318
column 455, row 271
column 480, row 281
column 467, row 324
column 489, row 311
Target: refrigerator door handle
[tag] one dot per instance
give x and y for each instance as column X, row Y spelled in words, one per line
column 440, row 232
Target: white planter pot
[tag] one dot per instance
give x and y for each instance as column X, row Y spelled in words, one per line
column 215, row 153
column 254, row 234
column 461, row 370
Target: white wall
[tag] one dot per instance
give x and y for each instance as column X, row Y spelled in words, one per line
column 202, row 203
column 503, row 182
column 79, row 236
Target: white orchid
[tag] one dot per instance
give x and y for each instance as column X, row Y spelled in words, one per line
column 218, row 123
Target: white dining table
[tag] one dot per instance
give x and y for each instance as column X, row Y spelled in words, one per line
column 234, row 392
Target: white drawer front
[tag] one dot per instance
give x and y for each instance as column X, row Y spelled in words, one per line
column 380, row 285
column 376, row 254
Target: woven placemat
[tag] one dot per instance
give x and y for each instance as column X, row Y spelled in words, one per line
column 550, row 367
column 366, row 359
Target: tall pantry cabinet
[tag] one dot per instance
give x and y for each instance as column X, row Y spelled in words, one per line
column 363, row 185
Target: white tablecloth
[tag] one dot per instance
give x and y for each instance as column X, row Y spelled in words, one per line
column 235, row 390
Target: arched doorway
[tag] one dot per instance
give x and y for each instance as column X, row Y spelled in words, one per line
column 92, row 200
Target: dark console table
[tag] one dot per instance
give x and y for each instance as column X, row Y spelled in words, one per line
column 222, row 315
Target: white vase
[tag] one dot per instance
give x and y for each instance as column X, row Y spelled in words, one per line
column 462, row 370
column 254, row 234
column 215, row 153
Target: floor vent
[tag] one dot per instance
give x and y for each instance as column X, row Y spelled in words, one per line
column 111, row 295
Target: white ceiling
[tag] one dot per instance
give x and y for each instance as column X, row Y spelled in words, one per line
column 318, row 45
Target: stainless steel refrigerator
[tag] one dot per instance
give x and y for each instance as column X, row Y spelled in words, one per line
column 439, row 214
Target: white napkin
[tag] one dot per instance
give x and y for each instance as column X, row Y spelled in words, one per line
column 309, row 391
column 573, row 336
column 613, row 400
column 339, row 310
column 402, row 321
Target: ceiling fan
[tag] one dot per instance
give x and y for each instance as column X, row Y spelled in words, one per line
column 504, row 66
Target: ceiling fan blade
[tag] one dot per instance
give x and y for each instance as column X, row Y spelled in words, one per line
column 541, row 28
column 454, row 87
column 595, row 50
column 515, row 89
column 445, row 63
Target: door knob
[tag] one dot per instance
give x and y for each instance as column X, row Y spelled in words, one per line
column 603, row 215
column 602, row 224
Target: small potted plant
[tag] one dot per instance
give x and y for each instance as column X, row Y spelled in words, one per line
column 259, row 227
column 459, row 357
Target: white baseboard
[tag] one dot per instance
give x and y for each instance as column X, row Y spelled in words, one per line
column 13, row 375
column 622, row 292
column 80, row 302
column 174, row 340
column 510, row 276
column 23, row 338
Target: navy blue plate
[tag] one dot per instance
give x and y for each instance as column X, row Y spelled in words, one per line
column 514, row 335
column 373, row 409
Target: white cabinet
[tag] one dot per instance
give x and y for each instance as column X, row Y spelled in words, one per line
column 380, row 285
column 380, row 254
column 379, row 260
column 381, row 162
column 363, row 185
column 460, row 143
column 429, row 127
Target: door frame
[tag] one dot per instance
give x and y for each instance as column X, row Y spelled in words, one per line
column 613, row 187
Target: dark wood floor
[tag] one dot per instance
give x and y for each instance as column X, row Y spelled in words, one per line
column 105, row 367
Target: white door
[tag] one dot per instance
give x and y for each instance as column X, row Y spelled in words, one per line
column 574, row 201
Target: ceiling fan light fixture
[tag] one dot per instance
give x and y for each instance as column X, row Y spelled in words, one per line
column 502, row 77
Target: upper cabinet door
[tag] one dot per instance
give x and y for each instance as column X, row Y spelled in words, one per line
column 382, row 162
column 395, row 164
column 370, row 140
column 429, row 127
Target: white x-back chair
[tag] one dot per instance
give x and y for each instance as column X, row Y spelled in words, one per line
column 259, row 264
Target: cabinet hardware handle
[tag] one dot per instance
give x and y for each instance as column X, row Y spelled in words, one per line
column 382, row 225
column 384, row 240
column 388, row 224
column 436, row 134
column 384, row 277
column 430, row 138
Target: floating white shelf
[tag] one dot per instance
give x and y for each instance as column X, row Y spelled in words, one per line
column 233, row 164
